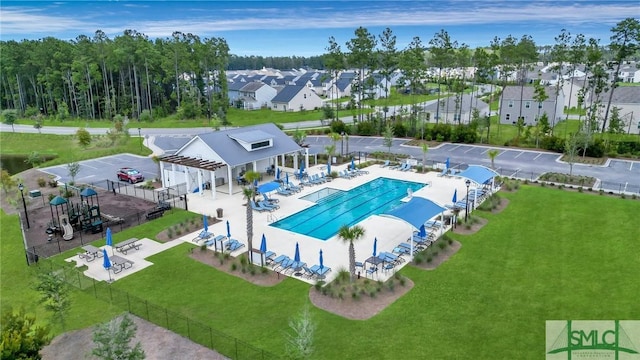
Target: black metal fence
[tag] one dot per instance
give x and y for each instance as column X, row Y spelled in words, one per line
column 194, row 330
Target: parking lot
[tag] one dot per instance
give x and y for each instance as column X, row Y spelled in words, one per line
column 97, row 170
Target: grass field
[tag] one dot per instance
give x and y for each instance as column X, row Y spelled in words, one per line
column 532, row 262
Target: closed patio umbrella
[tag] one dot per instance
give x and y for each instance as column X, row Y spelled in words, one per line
column 329, row 168
column 321, row 260
column 286, row 178
column 109, row 239
column 228, row 230
column 423, row 232
column 296, row 256
column 205, row 223
column 107, row 263
column 278, row 174
column 353, row 164
column 263, row 244
column 455, row 196
column 447, row 164
column 375, row 246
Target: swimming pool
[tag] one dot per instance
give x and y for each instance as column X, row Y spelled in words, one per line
column 334, row 208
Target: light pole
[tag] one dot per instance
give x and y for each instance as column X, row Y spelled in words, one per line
column 342, row 144
column 140, row 136
column 466, row 206
column 24, row 203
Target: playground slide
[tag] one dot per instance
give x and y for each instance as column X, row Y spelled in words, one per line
column 68, row 231
column 66, row 226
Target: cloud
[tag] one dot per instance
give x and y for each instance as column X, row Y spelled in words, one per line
column 196, row 18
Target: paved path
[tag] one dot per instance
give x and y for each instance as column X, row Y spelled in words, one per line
column 616, row 175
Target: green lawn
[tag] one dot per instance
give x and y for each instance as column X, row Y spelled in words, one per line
column 549, row 255
column 64, row 147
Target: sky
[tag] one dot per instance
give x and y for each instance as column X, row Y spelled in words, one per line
column 303, row 28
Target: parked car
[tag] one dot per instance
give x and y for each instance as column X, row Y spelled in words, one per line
column 131, row 175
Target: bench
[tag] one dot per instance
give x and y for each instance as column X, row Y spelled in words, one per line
column 154, row 214
column 126, row 245
column 86, row 256
column 119, row 264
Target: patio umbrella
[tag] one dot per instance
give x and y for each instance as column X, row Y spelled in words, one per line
column 286, row 178
column 263, row 244
column 205, row 223
column 353, row 164
column 255, row 183
column 228, row 230
column 301, row 170
column 375, row 246
column 268, row 187
column 447, row 164
column 321, row 260
column 423, row 232
column 296, row 256
column 278, row 174
column 329, row 168
column 455, row 197
column 109, row 239
column 107, row 263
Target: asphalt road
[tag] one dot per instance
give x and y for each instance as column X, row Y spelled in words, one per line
column 615, row 175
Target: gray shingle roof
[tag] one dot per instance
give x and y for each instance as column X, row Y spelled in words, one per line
column 513, row 92
column 250, row 136
column 252, row 86
column 287, row 93
column 236, row 86
column 233, row 154
column 624, row 95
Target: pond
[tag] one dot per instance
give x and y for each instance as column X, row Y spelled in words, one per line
column 14, row 163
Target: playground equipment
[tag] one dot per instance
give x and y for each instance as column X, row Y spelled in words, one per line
column 54, row 225
column 91, row 219
column 66, row 227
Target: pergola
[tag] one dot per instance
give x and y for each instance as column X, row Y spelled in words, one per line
column 191, row 162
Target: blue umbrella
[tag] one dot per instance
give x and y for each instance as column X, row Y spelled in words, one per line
column 329, row 168
column 263, row 244
column 205, row 223
column 286, row 178
column 423, row 232
column 375, row 246
column 353, row 164
column 107, row 262
column 267, row 187
column 321, row 260
column 301, row 170
column 296, row 256
column 455, row 197
column 255, row 183
column 447, row 164
column 109, row 238
column 228, row 230
column 278, row 174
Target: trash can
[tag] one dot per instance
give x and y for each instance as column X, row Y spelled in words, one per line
column 219, row 212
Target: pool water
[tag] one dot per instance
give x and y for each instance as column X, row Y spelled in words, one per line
column 334, row 208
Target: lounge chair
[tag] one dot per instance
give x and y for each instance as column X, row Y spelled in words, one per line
column 407, row 167
column 259, row 208
column 283, row 191
column 325, row 177
column 295, row 188
column 321, row 272
column 270, row 199
column 386, row 163
column 277, row 261
column 309, row 273
column 269, row 256
column 204, row 235
column 284, row 265
column 372, row 270
column 233, row 245
column 268, row 205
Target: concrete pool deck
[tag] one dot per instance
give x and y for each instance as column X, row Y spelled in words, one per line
column 389, row 232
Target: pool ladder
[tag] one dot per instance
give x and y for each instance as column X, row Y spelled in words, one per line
column 271, row 218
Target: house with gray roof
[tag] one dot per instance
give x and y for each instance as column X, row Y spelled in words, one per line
column 627, row 100
column 255, row 95
column 296, row 98
column 217, row 158
column 518, row 101
column 454, row 110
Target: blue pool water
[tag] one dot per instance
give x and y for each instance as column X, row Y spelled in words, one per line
column 335, row 208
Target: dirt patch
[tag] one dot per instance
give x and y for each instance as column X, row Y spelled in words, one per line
column 501, row 206
column 157, row 342
column 443, row 255
column 362, row 308
column 185, row 227
column 474, row 228
column 208, row 257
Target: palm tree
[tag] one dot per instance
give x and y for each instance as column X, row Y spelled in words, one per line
column 350, row 235
column 492, row 155
column 425, row 149
column 249, row 193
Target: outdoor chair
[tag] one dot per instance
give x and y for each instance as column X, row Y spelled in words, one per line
column 259, row 208
column 234, row 245
column 214, row 240
column 270, row 199
column 204, row 235
column 386, row 163
column 283, row 191
column 268, row 205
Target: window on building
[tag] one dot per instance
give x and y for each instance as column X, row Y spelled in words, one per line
column 539, row 105
column 527, row 104
column 510, row 103
column 261, row 144
column 508, row 117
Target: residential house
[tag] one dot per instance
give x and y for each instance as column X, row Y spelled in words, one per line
column 256, row 95
column 629, row 73
column 217, row 158
column 296, row 98
column 627, row 100
column 517, row 101
column 455, row 110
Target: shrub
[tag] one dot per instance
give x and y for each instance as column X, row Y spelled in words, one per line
column 234, row 267
column 42, row 182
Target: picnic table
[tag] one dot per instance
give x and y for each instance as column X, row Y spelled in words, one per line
column 126, row 245
column 90, row 252
column 119, row 263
